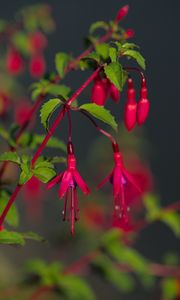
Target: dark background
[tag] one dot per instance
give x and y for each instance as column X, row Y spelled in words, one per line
column 157, row 26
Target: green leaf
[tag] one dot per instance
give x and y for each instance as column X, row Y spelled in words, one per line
column 92, row 56
column 151, row 203
column 171, row 219
column 98, row 25
column 169, row 288
column 114, row 73
column 113, row 54
column 75, row 288
column 32, row 236
column 10, row 156
column 61, row 61
column 103, row 50
column 123, row 281
column 44, row 171
column 137, row 56
column 100, row 113
column 12, row 217
column 11, row 238
column 59, row 90
column 47, row 110
column 26, row 172
column 21, row 42
column 128, row 46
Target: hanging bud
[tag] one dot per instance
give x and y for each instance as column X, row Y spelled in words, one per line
column 129, row 33
column 131, row 107
column 14, row 62
column 99, row 92
column 37, row 42
column 143, row 105
column 114, row 93
column 122, row 13
column 37, row 66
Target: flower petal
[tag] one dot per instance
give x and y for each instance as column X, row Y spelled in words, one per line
column 131, row 180
column 104, row 180
column 65, row 183
column 54, row 181
column 81, row 183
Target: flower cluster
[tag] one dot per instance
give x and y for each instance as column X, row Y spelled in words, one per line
column 136, row 112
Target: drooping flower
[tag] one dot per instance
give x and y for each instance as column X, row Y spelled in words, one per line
column 22, row 112
column 14, row 62
column 69, row 180
column 37, row 66
column 130, row 107
column 37, row 42
column 143, row 104
column 99, row 92
column 119, row 178
column 114, row 93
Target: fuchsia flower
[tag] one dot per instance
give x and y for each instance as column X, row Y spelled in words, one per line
column 22, row 112
column 69, row 180
column 119, row 177
column 14, row 62
column 122, row 13
column 37, row 66
column 37, row 42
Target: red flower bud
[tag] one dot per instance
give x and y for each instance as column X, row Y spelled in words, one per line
column 99, row 92
column 129, row 33
column 4, row 103
column 122, row 13
column 14, row 62
column 37, row 42
column 22, row 113
column 37, row 66
column 143, row 105
column 131, row 107
column 114, row 93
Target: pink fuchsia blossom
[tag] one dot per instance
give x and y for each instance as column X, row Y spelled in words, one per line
column 69, row 180
column 120, row 178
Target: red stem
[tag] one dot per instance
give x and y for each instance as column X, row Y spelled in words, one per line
column 40, row 291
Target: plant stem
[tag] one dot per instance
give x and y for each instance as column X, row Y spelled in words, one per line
column 46, row 139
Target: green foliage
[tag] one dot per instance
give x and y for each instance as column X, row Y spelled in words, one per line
column 17, row 238
column 26, row 172
column 169, row 289
column 12, row 217
column 47, row 110
column 103, row 50
column 113, row 54
column 72, row 287
column 44, row 170
column 137, row 56
column 20, row 41
column 10, row 156
column 114, row 72
column 32, row 140
column 100, row 113
column 123, row 281
column 98, row 25
column 45, row 87
column 61, row 61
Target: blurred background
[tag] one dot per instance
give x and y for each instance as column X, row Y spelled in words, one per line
column 156, row 24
